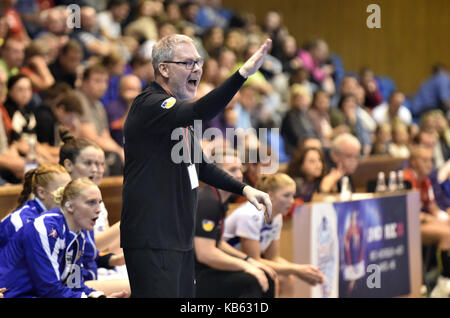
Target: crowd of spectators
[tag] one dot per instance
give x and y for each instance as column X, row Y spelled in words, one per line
column 81, row 67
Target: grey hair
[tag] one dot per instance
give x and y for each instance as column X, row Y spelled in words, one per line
column 342, row 139
column 163, row 50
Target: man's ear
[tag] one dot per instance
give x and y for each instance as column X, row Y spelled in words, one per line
column 68, row 165
column 163, row 70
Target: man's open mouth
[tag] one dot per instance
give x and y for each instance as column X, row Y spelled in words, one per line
column 193, row 83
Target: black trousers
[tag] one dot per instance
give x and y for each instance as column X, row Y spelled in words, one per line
column 212, row 283
column 156, row 273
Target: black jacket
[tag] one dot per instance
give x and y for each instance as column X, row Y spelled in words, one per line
column 158, row 202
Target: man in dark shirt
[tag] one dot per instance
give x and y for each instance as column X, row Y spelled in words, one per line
column 220, row 269
column 64, row 69
column 159, row 190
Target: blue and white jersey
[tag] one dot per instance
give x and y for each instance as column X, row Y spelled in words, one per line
column 247, row 222
column 14, row 221
column 44, row 259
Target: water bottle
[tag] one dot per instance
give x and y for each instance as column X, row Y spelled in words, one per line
column 346, row 193
column 381, row 184
column 401, row 185
column 392, row 183
column 31, row 158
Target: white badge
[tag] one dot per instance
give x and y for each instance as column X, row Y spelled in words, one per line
column 193, row 176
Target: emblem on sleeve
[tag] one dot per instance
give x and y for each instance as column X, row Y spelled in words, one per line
column 208, row 225
column 168, row 103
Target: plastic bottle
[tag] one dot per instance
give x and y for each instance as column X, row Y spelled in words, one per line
column 31, row 158
column 392, row 184
column 381, row 183
column 346, row 192
column 400, row 184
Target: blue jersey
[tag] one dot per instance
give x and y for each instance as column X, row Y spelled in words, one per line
column 44, row 259
column 31, row 210
column 25, row 214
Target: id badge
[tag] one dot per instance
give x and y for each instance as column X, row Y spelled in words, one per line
column 193, row 176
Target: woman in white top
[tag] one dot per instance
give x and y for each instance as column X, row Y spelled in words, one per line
column 249, row 231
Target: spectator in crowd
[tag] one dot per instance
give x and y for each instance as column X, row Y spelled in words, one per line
column 53, row 21
column 393, row 111
column 65, row 68
column 89, row 36
column 60, row 230
column 383, row 138
column 94, row 122
column 346, row 114
column 17, row 104
column 288, row 57
column 433, row 93
column 244, row 231
column 373, row 95
column 221, row 270
column 211, row 72
column 145, row 24
column 16, row 29
column 65, row 112
column 435, row 226
column 12, row 56
column 36, row 197
column 307, row 168
column 12, row 165
column 110, row 21
column 246, row 105
column 429, row 138
column 434, row 121
column 213, row 41
column 350, row 86
column 117, row 110
column 273, row 26
column 315, row 60
column 297, row 124
column 189, row 10
column 343, row 160
column 227, row 62
column 116, row 65
column 36, row 68
column 142, row 67
column 399, row 147
column 320, row 117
